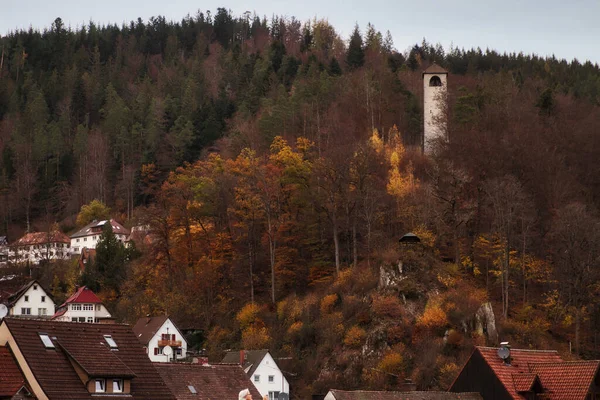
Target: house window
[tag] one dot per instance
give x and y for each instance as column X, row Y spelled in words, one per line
column 81, row 319
column 271, row 378
column 273, row 395
column 178, row 352
column 73, row 319
column 156, row 351
column 77, row 240
column 90, row 319
column 26, row 298
column 25, row 311
column 42, row 311
column 88, row 307
column 98, row 307
column 76, row 307
column 256, row 378
column 117, row 385
column 34, row 287
column 94, row 237
column 111, row 342
column 46, row 340
column 43, row 299
column 100, row 386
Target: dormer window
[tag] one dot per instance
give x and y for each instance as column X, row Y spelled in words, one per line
column 100, row 385
column 111, row 342
column 117, row 386
column 46, row 341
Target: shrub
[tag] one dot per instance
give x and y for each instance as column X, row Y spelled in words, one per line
column 392, row 363
column 387, row 307
column 255, row 337
column 355, row 337
column 328, row 303
column 433, row 319
column 248, row 315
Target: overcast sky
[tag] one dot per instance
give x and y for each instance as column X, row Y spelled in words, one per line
column 568, row 29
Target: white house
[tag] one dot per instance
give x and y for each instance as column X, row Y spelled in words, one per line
column 35, row 247
column 263, row 371
column 30, row 301
column 156, row 333
column 89, row 235
column 83, row 306
column 435, row 89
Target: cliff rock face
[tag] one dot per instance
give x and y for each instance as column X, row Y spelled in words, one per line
column 485, row 323
column 390, row 275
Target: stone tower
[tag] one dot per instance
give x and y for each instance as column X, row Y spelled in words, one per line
column 435, row 79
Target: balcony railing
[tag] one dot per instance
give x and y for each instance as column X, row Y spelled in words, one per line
column 172, row 343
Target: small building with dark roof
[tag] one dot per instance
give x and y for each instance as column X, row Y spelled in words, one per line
column 335, row 394
column 206, row 382
column 89, row 235
column 262, row 369
column 156, row 333
column 527, row 374
column 30, row 300
column 62, row 360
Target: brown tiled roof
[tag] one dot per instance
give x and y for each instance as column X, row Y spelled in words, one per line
column 145, row 328
column 568, row 380
column 9, row 285
column 519, row 364
column 219, row 381
column 87, row 230
column 54, row 371
column 380, row 395
column 95, row 358
column 34, row 238
column 11, row 379
column 252, row 359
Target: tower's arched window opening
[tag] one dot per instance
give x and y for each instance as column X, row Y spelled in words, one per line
column 435, row 81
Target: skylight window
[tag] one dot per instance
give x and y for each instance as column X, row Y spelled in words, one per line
column 192, row 389
column 111, row 342
column 47, row 341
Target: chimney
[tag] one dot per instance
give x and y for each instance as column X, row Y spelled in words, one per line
column 242, row 357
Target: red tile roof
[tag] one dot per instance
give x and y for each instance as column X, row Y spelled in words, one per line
column 519, row 364
column 11, row 379
column 568, row 380
column 53, row 368
column 381, row 395
column 523, row 382
column 219, row 381
column 83, row 295
column 34, row 238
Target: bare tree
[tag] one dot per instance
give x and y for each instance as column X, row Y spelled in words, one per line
column 575, row 243
column 510, row 205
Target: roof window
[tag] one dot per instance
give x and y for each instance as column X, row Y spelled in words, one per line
column 192, row 389
column 111, row 342
column 47, row 341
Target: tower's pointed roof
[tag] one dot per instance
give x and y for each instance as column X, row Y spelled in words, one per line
column 435, row 69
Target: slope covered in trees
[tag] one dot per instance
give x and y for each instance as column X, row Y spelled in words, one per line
column 275, row 164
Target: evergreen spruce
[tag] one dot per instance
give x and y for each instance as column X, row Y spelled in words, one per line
column 355, row 58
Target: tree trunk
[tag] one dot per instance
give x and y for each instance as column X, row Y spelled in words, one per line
column 336, row 242
column 354, row 244
column 577, row 329
column 506, row 277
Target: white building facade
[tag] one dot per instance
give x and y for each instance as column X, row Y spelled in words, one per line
column 167, row 335
column 269, row 379
column 435, row 89
column 31, row 301
column 36, row 247
column 83, row 306
column 89, row 235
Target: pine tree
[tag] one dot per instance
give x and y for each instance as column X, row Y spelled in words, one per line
column 334, row 67
column 108, row 269
column 355, row 58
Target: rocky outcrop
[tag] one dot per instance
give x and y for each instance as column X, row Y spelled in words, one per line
column 485, row 323
column 390, row 275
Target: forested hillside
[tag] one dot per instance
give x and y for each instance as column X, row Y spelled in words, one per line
column 277, row 165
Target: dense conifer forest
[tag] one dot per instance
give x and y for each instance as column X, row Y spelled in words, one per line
column 277, row 165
